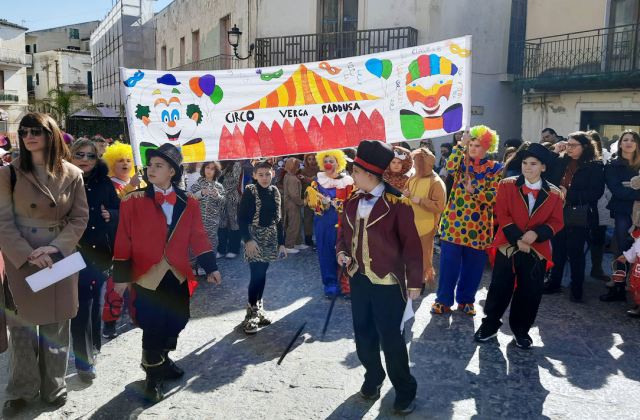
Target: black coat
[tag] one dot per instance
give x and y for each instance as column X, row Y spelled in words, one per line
column 615, row 173
column 587, row 185
column 96, row 244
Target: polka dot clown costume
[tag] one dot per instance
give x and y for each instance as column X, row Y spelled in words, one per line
column 466, row 226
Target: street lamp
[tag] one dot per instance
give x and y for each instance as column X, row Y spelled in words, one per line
column 233, row 37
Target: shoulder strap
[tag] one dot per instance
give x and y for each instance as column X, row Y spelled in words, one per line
column 13, row 178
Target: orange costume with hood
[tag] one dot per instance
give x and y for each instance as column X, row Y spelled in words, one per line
column 399, row 179
column 428, row 195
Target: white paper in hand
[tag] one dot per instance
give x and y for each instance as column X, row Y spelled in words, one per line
column 408, row 314
column 59, row 271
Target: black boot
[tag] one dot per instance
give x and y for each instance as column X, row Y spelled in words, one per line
column 615, row 293
column 308, row 240
column 12, row 408
column 153, row 364
column 171, row 370
column 596, row 263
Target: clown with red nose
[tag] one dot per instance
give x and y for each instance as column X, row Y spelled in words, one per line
column 326, row 196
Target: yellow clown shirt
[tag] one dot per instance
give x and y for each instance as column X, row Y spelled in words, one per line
column 468, row 217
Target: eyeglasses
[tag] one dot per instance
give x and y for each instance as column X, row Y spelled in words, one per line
column 572, row 145
column 83, row 155
column 35, row 131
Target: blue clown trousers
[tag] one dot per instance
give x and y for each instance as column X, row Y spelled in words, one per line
column 460, row 266
column 324, row 227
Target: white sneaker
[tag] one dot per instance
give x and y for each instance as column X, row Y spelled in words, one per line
column 231, row 255
column 218, row 255
column 201, row 271
column 292, row 251
column 302, row 247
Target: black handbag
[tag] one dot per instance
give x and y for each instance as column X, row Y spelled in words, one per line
column 576, row 215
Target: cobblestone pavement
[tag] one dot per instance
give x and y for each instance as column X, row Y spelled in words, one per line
column 584, row 366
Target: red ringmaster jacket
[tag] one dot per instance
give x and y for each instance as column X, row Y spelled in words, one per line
column 144, row 240
column 393, row 244
column 512, row 212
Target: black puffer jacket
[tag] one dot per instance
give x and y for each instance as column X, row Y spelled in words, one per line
column 587, row 185
column 96, row 245
column 622, row 197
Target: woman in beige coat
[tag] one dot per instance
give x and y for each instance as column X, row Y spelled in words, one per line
column 293, row 204
column 43, row 214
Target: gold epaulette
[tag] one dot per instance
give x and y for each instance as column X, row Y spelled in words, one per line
column 134, row 194
column 394, row 199
column 510, row 180
column 554, row 190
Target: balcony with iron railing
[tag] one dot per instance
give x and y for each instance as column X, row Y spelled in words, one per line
column 15, row 58
column 217, row 62
column 606, row 58
column 293, row 49
column 9, row 96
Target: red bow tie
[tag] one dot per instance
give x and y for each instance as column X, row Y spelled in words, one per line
column 161, row 198
column 526, row 190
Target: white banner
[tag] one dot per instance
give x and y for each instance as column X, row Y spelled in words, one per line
column 408, row 94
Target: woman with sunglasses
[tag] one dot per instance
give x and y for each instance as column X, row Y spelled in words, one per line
column 579, row 173
column 96, row 247
column 43, row 214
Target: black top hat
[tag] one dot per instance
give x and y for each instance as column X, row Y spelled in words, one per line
column 373, row 156
column 537, row 151
column 171, row 154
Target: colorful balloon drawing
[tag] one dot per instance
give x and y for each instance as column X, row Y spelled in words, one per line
column 379, row 68
column 206, row 85
column 270, row 76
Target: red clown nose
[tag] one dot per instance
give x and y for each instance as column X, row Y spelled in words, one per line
column 328, row 166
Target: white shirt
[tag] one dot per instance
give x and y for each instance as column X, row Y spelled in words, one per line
column 167, row 208
column 532, row 199
column 365, row 206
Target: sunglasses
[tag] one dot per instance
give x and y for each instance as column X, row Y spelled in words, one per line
column 83, row 155
column 35, row 131
column 572, row 145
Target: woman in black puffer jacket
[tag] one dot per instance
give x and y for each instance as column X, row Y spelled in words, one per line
column 96, row 247
column 580, row 176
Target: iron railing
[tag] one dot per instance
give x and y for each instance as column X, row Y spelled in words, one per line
column 217, row 62
column 607, row 57
column 294, row 49
column 9, row 96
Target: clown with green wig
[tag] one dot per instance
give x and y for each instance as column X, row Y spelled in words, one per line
column 466, row 225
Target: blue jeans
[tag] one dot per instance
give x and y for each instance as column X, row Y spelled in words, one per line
column 460, row 266
column 324, row 227
column 623, row 238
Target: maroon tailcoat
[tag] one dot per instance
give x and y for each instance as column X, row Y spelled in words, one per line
column 393, row 241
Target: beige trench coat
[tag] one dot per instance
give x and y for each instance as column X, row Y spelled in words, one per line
column 36, row 215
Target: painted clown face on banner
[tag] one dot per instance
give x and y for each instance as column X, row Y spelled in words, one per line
column 173, row 113
column 429, row 85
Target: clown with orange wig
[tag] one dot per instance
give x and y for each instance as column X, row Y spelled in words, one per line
column 326, row 197
column 119, row 159
column 466, row 226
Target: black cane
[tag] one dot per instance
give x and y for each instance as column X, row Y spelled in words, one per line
column 333, row 303
column 295, row 337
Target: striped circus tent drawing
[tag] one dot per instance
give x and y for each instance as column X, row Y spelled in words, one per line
column 306, row 87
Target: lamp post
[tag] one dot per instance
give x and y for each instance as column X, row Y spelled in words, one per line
column 233, row 37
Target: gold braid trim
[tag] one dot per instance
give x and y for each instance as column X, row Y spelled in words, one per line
column 394, row 199
column 134, row 194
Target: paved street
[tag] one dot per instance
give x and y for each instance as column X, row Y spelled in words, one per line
column 584, row 366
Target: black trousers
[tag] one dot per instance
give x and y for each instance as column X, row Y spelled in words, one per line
column 257, row 282
column 162, row 314
column 377, row 312
column 85, row 327
column 569, row 244
column 528, row 271
column 228, row 241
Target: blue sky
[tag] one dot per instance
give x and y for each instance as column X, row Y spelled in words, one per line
column 41, row 14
